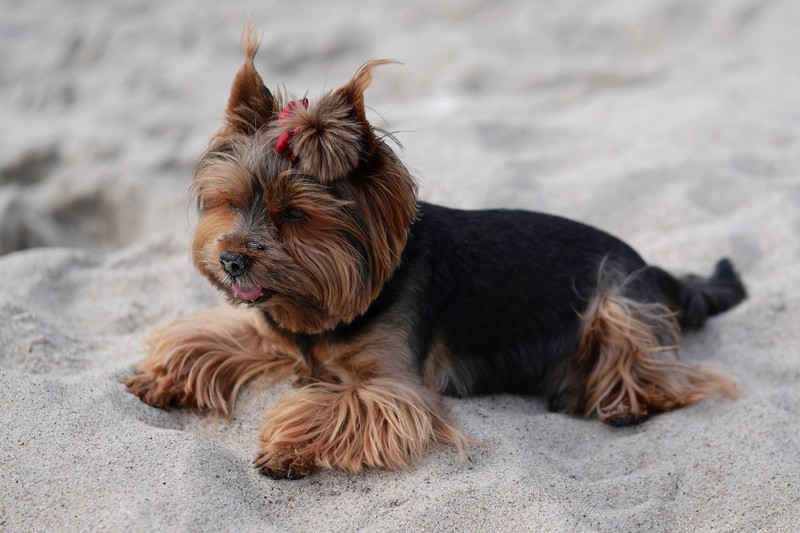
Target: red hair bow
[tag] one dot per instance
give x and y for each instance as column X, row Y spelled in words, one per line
column 283, row 141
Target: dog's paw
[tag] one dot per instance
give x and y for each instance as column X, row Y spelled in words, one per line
column 155, row 391
column 624, row 415
column 283, row 465
column 625, row 421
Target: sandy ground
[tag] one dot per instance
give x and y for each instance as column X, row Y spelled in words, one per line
column 673, row 124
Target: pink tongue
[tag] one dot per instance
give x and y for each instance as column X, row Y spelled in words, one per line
column 247, row 292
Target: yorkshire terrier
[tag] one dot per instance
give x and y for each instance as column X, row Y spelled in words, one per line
column 380, row 304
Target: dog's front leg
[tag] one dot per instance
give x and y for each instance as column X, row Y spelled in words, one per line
column 383, row 422
column 202, row 361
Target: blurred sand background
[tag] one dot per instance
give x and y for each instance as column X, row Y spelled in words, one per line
column 674, row 124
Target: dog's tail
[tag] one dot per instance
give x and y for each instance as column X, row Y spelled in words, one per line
column 695, row 299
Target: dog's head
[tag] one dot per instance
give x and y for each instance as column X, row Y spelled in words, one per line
column 304, row 210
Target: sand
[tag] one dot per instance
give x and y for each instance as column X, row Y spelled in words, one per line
column 672, row 124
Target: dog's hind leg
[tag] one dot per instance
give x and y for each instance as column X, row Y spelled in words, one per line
column 202, row 361
column 626, row 367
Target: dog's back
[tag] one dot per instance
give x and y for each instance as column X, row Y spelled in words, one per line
column 503, row 301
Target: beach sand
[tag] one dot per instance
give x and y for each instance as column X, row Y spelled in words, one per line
column 672, row 124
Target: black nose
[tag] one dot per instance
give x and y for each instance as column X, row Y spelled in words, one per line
column 234, row 263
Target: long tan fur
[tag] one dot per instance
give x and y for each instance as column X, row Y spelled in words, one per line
column 383, row 422
column 629, row 347
column 205, row 360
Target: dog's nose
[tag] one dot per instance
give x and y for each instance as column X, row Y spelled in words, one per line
column 234, row 263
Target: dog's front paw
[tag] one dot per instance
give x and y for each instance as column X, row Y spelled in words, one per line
column 283, row 465
column 157, row 391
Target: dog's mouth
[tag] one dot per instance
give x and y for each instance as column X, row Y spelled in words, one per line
column 251, row 293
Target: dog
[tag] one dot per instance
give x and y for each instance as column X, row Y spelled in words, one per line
column 380, row 305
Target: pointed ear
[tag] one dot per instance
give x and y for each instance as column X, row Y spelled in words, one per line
column 250, row 105
column 353, row 91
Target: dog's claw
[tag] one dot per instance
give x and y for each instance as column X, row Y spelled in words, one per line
column 626, row 421
column 293, row 470
column 294, row 474
column 278, row 475
column 273, row 474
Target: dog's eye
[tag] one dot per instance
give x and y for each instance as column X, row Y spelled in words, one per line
column 293, row 216
column 255, row 246
column 233, row 206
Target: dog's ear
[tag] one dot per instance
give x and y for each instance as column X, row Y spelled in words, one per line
column 330, row 138
column 353, row 93
column 250, row 105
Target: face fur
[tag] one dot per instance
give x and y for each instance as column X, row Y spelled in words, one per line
column 304, row 212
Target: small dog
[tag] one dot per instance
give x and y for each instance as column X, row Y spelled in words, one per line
column 379, row 305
